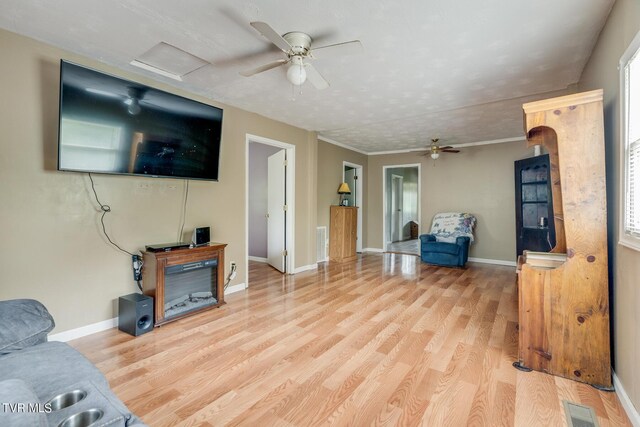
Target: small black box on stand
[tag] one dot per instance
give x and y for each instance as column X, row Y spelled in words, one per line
column 135, row 314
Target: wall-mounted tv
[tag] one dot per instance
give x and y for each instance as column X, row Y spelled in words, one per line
column 111, row 125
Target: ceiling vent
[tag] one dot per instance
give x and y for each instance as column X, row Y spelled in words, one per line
column 169, row 61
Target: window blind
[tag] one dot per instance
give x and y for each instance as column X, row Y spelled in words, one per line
column 632, row 144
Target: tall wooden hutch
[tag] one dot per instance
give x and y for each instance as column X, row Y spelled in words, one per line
column 563, row 295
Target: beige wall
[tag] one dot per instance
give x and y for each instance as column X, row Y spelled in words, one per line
column 479, row 180
column 52, row 247
column 330, row 158
column 601, row 72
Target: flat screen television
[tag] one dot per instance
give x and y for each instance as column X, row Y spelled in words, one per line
column 115, row 126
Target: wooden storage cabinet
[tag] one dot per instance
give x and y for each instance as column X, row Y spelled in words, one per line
column 563, row 295
column 343, row 232
column 160, row 265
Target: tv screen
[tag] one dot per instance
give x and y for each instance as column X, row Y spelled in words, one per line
column 116, row 126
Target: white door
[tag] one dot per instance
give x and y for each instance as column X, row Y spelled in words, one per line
column 396, row 208
column 349, row 178
column 276, row 215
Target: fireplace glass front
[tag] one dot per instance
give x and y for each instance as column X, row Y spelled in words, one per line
column 189, row 287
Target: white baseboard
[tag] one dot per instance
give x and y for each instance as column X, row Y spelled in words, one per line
column 493, row 261
column 377, row 250
column 83, row 331
column 631, row 411
column 235, row 288
column 305, row 268
column 257, row 259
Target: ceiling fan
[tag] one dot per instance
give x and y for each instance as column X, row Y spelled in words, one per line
column 297, row 46
column 435, row 149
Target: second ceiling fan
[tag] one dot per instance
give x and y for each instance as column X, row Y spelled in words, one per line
column 435, row 149
column 297, row 46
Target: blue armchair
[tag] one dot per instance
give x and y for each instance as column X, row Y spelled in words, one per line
column 444, row 253
column 448, row 242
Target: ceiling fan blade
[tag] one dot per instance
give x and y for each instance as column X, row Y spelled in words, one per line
column 346, row 48
column 262, row 68
column 315, row 78
column 446, row 147
column 271, row 35
column 450, row 151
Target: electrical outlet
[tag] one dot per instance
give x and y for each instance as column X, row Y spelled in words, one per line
column 233, row 273
column 137, row 267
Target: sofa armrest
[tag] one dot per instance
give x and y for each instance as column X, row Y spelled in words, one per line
column 23, row 323
column 427, row 238
column 15, row 393
column 463, row 242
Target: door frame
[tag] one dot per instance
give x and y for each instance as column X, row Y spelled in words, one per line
column 400, row 198
column 384, row 198
column 360, row 172
column 290, row 189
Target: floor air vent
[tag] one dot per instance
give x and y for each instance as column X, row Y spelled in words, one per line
column 579, row 415
column 321, row 244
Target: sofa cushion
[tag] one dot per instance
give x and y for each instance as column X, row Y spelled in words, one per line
column 19, row 405
column 23, row 323
column 441, row 247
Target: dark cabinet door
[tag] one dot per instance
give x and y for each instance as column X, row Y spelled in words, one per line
column 535, row 228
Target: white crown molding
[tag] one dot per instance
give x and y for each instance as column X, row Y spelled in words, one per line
column 492, row 141
column 466, row 144
column 340, row 144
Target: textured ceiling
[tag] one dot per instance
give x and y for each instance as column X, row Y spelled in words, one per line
column 459, row 70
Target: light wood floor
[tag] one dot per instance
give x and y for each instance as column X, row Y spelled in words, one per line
column 384, row 340
column 406, row 246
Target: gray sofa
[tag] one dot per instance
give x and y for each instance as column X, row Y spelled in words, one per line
column 49, row 383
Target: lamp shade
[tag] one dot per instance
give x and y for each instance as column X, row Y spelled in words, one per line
column 344, row 188
column 434, row 156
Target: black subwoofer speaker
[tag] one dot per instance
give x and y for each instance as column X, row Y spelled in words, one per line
column 135, row 314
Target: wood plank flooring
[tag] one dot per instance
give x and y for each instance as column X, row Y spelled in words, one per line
column 384, row 340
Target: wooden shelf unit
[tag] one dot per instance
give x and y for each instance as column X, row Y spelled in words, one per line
column 153, row 276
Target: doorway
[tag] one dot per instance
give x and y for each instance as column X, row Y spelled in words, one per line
column 352, row 174
column 396, row 221
column 401, row 208
column 270, row 207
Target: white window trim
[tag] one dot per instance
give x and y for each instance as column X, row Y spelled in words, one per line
column 624, row 238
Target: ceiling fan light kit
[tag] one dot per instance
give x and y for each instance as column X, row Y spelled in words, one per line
column 296, row 45
column 296, row 74
column 435, row 149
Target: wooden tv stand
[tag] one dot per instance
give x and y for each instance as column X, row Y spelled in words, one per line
column 157, row 265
